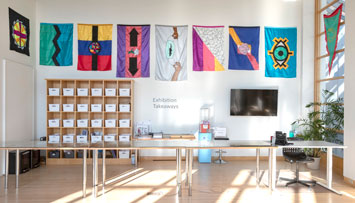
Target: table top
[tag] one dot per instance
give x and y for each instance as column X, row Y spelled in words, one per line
column 165, row 137
column 167, row 144
column 141, row 144
column 194, row 144
column 311, row 144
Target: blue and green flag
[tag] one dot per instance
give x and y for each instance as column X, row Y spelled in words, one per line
column 331, row 27
column 56, row 44
column 280, row 52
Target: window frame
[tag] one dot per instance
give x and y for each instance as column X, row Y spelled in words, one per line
column 317, row 49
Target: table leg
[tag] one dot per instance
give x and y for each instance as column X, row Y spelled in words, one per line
column 178, row 171
column 187, row 151
column 17, row 167
column 269, row 171
column 257, row 174
column 136, row 158
column 272, row 169
column 95, row 173
column 84, row 172
column 191, row 158
column 329, row 172
column 329, row 167
column 103, row 170
column 6, row 168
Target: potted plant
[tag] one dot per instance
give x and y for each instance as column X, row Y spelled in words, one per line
column 323, row 122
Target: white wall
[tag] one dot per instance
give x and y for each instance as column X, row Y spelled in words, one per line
column 200, row 88
column 28, row 9
column 19, row 97
column 307, row 68
column 349, row 97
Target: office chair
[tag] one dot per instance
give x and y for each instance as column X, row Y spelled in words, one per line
column 297, row 155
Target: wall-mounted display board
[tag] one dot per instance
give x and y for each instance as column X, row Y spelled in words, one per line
column 88, row 111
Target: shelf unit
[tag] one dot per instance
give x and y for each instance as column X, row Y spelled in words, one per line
column 89, row 115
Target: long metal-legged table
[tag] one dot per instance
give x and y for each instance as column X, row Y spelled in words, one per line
column 188, row 146
column 189, row 161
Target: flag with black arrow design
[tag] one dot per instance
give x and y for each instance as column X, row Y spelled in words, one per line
column 133, row 51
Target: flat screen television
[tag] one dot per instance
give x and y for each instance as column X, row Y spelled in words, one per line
column 253, row 102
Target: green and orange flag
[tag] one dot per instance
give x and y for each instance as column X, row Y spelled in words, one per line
column 331, row 27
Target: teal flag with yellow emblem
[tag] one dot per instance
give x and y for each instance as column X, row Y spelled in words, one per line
column 280, row 52
column 331, row 27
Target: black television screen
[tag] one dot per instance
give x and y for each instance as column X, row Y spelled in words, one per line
column 253, row 102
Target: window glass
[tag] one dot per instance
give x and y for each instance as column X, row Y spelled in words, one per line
column 337, row 68
column 336, row 86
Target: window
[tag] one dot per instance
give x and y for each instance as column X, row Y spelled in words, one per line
column 333, row 82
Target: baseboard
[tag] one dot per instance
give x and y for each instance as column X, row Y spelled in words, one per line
column 152, row 158
column 349, row 181
column 227, row 158
column 250, row 158
column 77, row 161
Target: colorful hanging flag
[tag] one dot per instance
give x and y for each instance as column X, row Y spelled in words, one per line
column 94, row 47
column 280, row 52
column 56, row 44
column 19, row 32
column 244, row 48
column 208, row 52
column 331, row 27
column 133, row 51
column 171, row 42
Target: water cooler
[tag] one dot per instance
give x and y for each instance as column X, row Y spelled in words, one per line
column 205, row 134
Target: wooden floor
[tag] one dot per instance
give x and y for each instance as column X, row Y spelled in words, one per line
column 154, row 181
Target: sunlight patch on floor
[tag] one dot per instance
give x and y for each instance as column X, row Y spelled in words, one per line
column 172, row 183
column 127, row 174
column 243, row 178
column 154, row 178
column 307, row 197
column 71, row 197
column 124, row 195
column 226, row 183
column 252, row 194
column 156, row 195
column 131, row 179
column 348, row 195
column 228, row 195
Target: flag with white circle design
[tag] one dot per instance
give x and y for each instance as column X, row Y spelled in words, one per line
column 171, row 57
